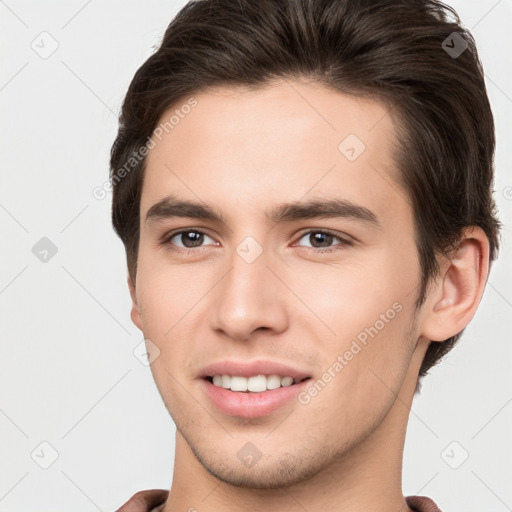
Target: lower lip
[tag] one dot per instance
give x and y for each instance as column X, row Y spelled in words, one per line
column 251, row 405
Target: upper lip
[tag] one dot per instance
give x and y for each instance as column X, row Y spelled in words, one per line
column 251, row 368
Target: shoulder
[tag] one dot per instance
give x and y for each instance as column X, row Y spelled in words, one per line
column 145, row 501
column 422, row 504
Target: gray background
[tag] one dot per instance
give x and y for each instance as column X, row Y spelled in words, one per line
column 68, row 376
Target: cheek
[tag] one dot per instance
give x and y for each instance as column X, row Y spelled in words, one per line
column 363, row 371
column 351, row 295
column 166, row 292
column 368, row 308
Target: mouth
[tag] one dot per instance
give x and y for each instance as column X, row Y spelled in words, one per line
column 253, row 384
column 252, row 397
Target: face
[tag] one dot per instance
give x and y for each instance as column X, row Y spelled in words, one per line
column 296, row 260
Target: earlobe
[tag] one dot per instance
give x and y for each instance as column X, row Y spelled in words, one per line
column 135, row 311
column 456, row 293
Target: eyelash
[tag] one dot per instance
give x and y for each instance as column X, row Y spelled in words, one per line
column 186, row 250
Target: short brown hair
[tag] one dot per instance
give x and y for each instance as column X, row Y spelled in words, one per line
column 396, row 51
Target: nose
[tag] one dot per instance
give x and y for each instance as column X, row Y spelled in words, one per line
column 249, row 298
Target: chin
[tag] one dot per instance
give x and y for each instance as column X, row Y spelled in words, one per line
column 283, row 470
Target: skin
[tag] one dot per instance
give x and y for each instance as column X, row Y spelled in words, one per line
column 244, row 152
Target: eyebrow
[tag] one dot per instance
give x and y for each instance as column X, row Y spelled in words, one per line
column 171, row 207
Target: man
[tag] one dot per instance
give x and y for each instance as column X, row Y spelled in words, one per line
column 304, row 192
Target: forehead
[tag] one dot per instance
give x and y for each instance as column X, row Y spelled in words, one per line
column 248, row 149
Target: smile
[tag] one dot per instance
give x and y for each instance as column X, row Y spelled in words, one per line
column 254, row 384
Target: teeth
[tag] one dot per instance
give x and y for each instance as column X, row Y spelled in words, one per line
column 256, row 384
column 273, row 382
column 238, row 383
column 286, row 381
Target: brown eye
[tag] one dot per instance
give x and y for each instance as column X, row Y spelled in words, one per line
column 187, row 239
column 323, row 239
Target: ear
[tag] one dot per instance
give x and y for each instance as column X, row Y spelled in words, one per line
column 456, row 294
column 135, row 311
